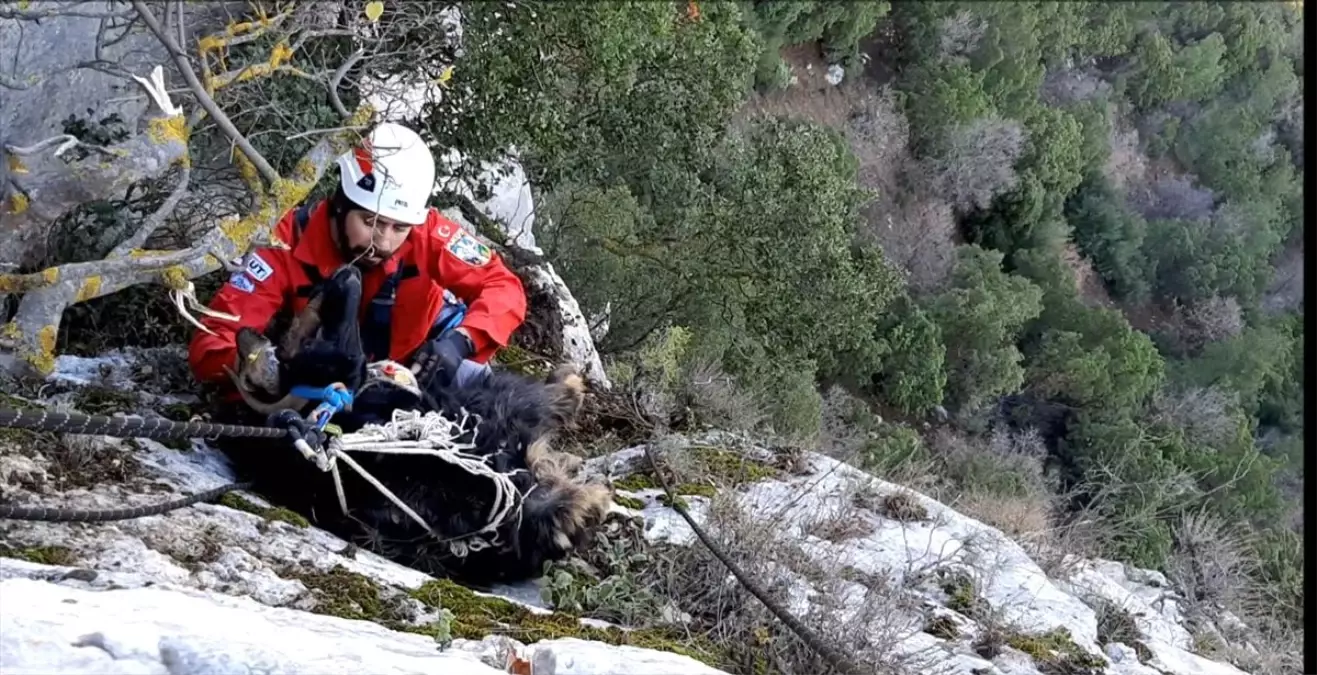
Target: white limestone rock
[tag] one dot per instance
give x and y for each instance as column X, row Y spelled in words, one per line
column 50, row 628
column 908, row 554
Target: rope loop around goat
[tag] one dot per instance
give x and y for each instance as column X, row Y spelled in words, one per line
column 411, row 432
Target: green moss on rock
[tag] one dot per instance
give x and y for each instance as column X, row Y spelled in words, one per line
column 343, row 593
column 1055, row 653
column 476, row 616
column 234, row 501
column 673, row 502
column 629, row 502
column 466, row 614
column 42, row 555
column 346, row 594
column 105, row 401
column 636, row 482
column 960, row 591
column 522, row 362
column 714, row 467
column 730, row 467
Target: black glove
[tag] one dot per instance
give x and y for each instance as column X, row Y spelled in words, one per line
column 436, row 362
column 289, row 419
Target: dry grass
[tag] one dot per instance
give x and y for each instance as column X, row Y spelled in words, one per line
column 862, row 615
column 1127, row 165
column 914, row 226
column 1022, row 518
column 904, row 506
column 1212, row 563
column 1278, row 653
column 717, row 400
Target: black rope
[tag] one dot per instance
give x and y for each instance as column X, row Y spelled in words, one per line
column 128, row 426
column 122, row 427
column 52, row 514
column 835, row 657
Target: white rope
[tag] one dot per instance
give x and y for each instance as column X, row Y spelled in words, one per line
column 410, row 432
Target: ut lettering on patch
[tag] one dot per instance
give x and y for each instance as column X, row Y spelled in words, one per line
column 257, row 267
column 242, row 282
column 468, row 249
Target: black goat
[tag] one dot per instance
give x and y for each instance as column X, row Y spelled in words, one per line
column 513, row 419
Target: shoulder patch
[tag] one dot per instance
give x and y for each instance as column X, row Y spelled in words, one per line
column 468, row 249
column 242, row 282
column 256, row 266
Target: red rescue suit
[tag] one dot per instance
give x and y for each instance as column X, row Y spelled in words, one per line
column 436, row 255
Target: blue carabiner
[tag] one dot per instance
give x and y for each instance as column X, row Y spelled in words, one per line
column 332, row 401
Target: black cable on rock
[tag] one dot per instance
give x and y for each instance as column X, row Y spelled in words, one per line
column 53, row 514
column 833, row 656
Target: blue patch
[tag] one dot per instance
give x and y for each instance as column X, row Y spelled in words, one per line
column 242, row 282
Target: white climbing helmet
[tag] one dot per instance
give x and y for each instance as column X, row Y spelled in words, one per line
column 391, row 172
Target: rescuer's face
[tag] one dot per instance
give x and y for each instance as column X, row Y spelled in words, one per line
column 372, row 239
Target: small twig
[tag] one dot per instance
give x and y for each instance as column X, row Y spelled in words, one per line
column 65, row 142
column 155, row 220
column 337, row 79
column 204, row 99
column 182, row 29
column 260, row 70
column 319, row 132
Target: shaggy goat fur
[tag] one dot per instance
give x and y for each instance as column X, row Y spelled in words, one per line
column 516, row 419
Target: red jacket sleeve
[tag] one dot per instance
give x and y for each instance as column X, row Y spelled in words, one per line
column 495, row 298
column 254, row 295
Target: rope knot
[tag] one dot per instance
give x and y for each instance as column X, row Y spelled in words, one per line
column 410, row 432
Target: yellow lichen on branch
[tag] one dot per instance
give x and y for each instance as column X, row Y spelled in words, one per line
column 91, row 288
column 139, row 253
column 44, row 358
column 22, row 283
column 18, row 203
column 174, row 277
column 247, row 171
column 163, row 130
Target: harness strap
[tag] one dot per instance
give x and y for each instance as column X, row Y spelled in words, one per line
column 301, row 217
column 377, row 329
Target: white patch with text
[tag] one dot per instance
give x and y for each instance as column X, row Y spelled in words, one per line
column 257, row 267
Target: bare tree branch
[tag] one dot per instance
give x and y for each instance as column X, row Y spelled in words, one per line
column 42, row 190
column 227, row 197
column 337, row 79
column 203, row 97
column 23, row 83
column 63, row 9
column 46, row 294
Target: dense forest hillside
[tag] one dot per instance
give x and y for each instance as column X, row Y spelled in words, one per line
column 1053, row 242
